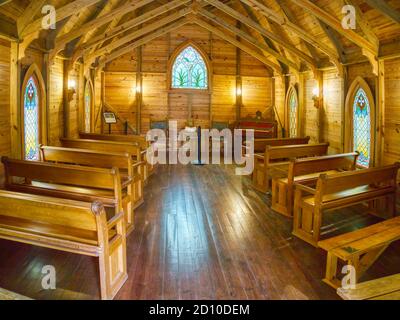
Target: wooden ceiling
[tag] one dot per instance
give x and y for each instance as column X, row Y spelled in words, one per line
column 283, row 34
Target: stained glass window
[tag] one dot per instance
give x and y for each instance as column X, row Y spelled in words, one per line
column 88, row 107
column 293, row 114
column 189, row 70
column 31, row 120
column 362, row 128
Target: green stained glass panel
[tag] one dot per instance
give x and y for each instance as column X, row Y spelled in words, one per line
column 189, row 70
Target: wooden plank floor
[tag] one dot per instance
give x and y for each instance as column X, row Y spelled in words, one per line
column 203, row 233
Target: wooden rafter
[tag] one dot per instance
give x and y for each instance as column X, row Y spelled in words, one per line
column 254, row 25
column 386, row 9
column 29, row 14
column 77, row 32
column 363, row 23
column 140, row 32
column 336, row 24
column 237, row 44
column 286, row 23
column 62, row 13
column 246, row 36
column 135, row 22
column 154, row 35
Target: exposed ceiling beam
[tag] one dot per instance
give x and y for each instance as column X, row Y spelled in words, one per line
column 154, row 35
column 336, row 24
column 363, row 23
column 276, row 68
column 4, row 2
column 61, row 13
column 135, row 22
column 246, row 36
column 138, row 33
column 386, row 9
column 119, row 11
column 269, row 34
column 286, row 23
column 29, row 14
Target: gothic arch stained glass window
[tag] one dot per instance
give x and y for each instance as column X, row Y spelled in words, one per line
column 189, row 70
column 31, row 120
column 362, row 128
column 293, row 113
column 88, row 107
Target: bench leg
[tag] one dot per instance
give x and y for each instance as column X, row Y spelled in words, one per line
column 367, row 260
column 303, row 216
column 112, row 265
column 331, row 271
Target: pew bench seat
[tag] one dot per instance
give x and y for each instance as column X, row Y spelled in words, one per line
column 386, row 288
column 360, row 248
column 350, row 196
column 69, row 226
column 375, row 187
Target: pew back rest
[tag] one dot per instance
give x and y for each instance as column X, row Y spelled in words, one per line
column 348, row 180
column 139, row 140
column 345, row 161
column 261, row 144
column 84, row 157
column 89, row 177
column 46, row 210
column 107, row 146
column 296, row 151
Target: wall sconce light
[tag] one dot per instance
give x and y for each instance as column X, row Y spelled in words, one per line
column 316, row 98
column 238, row 92
column 71, row 89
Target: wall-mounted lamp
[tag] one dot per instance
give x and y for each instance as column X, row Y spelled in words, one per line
column 71, row 89
column 316, row 98
column 238, row 92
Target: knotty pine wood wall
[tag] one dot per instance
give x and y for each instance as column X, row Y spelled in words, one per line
column 159, row 103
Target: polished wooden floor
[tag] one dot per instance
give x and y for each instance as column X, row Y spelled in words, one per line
column 203, row 233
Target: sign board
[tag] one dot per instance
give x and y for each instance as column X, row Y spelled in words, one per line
column 109, row 117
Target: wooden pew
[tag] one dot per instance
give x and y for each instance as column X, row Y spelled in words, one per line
column 139, row 140
column 70, row 182
column 261, row 144
column 122, row 161
column 338, row 191
column 306, row 171
column 275, row 161
column 70, row 226
column 387, row 288
column 360, row 248
column 110, row 146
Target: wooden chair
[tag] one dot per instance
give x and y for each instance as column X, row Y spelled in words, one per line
column 306, row 171
column 70, row 226
column 139, row 140
column 90, row 158
column 275, row 161
column 387, row 288
column 70, row 182
column 360, row 248
column 110, row 146
column 338, row 191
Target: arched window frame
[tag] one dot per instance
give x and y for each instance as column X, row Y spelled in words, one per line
column 292, row 90
column 349, row 129
column 88, row 88
column 33, row 71
column 171, row 62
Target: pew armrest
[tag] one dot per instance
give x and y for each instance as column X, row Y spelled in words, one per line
column 302, row 187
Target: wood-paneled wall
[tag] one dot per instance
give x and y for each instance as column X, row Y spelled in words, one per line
column 160, row 103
